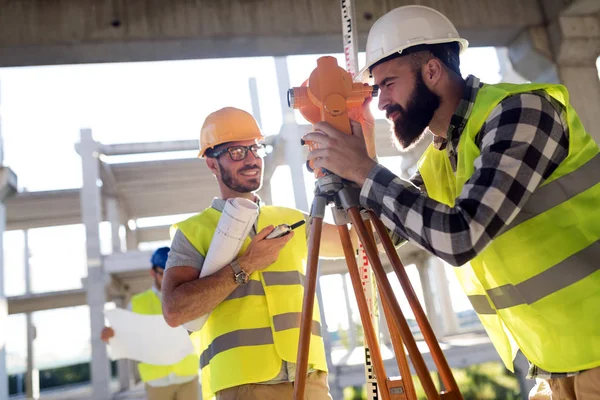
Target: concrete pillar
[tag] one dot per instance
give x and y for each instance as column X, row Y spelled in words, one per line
column 131, row 238
column 95, row 282
column 3, row 304
column 265, row 191
column 291, row 134
column 113, row 216
column 351, row 331
column 429, row 297
column 575, row 42
column 566, row 51
column 334, row 388
column 448, row 316
column 255, row 103
column 32, row 376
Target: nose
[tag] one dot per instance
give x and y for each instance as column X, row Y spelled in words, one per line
column 251, row 159
column 383, row 100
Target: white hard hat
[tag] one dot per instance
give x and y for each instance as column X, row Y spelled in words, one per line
column 405, row 27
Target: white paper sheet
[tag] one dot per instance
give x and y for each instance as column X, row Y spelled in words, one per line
column 146, row 338
column 237, row 219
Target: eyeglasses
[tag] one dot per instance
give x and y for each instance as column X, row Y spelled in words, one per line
column 238, row 153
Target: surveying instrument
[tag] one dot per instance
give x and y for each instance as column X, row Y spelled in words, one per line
column 328, row 95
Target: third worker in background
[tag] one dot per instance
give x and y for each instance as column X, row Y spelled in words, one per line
column 162, row 382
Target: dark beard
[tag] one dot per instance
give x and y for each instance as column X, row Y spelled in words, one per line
column 232, row 183
column 409, row 127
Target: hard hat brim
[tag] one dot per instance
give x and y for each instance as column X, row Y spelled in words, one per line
column 364, row 75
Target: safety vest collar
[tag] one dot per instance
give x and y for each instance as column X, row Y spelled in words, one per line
column 462, row 113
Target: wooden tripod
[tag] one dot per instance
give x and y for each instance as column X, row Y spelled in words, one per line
column 344, row 194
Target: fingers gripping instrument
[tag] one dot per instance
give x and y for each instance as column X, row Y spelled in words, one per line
column 328, row 95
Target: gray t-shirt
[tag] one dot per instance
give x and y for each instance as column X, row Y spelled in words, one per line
column 183, row 253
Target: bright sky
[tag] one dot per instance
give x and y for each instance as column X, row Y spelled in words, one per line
column 43, row 109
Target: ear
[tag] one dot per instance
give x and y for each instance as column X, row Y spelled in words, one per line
column 211, row 163
column 152, row 273
column 432, row 71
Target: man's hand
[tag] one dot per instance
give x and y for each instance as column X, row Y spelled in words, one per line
column 106, row 334
column 263, row 252
column 344, row 155
column 367, row 123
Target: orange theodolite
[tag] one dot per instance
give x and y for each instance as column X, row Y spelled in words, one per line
column 328, row 95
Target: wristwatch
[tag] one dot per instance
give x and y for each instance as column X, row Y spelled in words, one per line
column 239, row 275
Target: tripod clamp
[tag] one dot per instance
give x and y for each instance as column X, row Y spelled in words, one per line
column 341, row 193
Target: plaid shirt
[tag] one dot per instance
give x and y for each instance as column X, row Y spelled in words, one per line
column 522, row 142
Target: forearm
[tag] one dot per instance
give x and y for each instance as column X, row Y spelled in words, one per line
column 193, row 299
column 331, row 244
column 411, row 215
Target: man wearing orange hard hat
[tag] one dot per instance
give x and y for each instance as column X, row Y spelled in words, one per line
column 249, row 343
column 508, row 192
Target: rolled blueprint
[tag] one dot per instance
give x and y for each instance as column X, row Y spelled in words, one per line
column 233, row 228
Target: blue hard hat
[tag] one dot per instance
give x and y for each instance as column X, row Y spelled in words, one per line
column 159, row 257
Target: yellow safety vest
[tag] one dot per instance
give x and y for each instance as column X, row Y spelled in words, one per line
column 536, row 286
column 148, row 303
column 247, row 336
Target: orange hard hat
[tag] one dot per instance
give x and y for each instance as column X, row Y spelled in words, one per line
column 228, row 124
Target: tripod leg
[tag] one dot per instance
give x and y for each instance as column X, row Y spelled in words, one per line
column 436, row 352
column 389, row 297
column 314, row 242
column 396, row 338
column 363, row 308
column 399, row 351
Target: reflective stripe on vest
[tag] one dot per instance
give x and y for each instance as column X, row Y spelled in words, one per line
column 282, row 322
column 254, row 337
column 560, row 276
column 283, row 278
column 243, row 337
column 255, row 288
column 251, row 288
column 557, row 191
